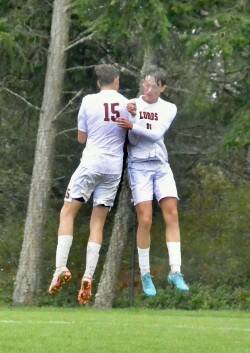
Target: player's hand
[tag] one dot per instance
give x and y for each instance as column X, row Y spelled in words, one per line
column 124, row 123
column 131, row 107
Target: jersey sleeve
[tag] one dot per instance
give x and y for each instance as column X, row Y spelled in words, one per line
column 158, row 131
column 133, row 138
column 123, row 110
column 82, row 118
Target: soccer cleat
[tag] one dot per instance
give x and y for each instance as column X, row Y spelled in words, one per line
column 148, row 285
column 176, row 279
column 85, row 291
column 60, row 277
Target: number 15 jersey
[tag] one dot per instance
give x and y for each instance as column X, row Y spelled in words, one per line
column 97, row 116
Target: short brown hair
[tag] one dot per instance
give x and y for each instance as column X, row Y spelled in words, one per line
column 158, row 74
column 106, row 73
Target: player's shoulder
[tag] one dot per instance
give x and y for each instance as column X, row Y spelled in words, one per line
column 121, row 97
column 91, row 100
column 167, row 105
column 88, row 98
column 91, row 96
column 138, row 101
column 102, row 95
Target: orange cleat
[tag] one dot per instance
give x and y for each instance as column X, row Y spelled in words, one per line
column 85, row 291
column 60, row 277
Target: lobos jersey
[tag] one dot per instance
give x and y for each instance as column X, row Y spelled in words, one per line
column 103, row 152
column 147, row 135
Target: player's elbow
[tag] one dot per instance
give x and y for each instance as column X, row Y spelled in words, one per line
column 155, row 137
column 133, row 139
column 81, row 137
column 81, row 141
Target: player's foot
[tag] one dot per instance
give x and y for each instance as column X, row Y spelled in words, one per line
column 177, row 280
column 60, row 277
column 85, row 291
column 148, row 285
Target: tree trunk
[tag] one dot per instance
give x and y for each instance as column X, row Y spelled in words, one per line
column 122, row 224
column 28, row 277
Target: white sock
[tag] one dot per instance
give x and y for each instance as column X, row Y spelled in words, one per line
column 62, row 251
column 92, row 257
column 143, row 256
column 174, row 253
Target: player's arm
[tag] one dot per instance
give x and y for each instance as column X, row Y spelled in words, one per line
column 127, row 123
column 133, row 138
column 124, row 123
column 82, row 124
column 157, row 131
column 81, row 137
column 150, row 134
column 136, row 129
column 127, row 115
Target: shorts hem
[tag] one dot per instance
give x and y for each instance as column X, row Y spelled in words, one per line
column 102, row 203
column 76, row 198
column 166, row 196
column 140, row 201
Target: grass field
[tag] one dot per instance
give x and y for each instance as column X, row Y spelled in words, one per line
column 85, row 330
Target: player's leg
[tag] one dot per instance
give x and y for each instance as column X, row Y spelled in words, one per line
column 65, row 236
column 97, row 221
column 166, row 193
column 78, row 191
column 144, row 218
column 67, row 217
column 170, row 215
column 172, row 234
column 103, row 199
column 142, row 191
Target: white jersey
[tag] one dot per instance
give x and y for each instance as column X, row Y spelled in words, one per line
column 103, row 152
column 147, row 135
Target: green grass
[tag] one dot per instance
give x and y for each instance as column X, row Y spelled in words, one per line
column 85, row 330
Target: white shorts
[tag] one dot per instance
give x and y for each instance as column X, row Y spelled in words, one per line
column 85, row 182
column 147, row 179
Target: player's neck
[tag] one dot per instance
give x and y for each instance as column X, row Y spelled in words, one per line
column 150, row 100
column 108, row 88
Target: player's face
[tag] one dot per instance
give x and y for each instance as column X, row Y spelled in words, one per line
column 152, row 90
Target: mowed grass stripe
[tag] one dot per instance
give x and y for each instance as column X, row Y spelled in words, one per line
column 122, row 331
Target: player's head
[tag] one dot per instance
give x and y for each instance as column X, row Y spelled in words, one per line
column 154, row 83
column 107, row 76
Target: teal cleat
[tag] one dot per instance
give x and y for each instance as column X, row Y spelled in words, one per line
column 148, row 285
column 177, row 280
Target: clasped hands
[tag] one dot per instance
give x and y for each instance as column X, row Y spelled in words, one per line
column 124, row 123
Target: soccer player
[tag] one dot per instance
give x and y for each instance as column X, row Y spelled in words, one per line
column 99, row 174
column 150, row 174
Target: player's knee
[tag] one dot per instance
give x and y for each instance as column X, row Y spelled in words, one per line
column 66, row 212
column 145, row 221
column 172, row 215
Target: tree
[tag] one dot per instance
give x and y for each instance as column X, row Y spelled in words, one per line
column 28, row 276
column 122, row 225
